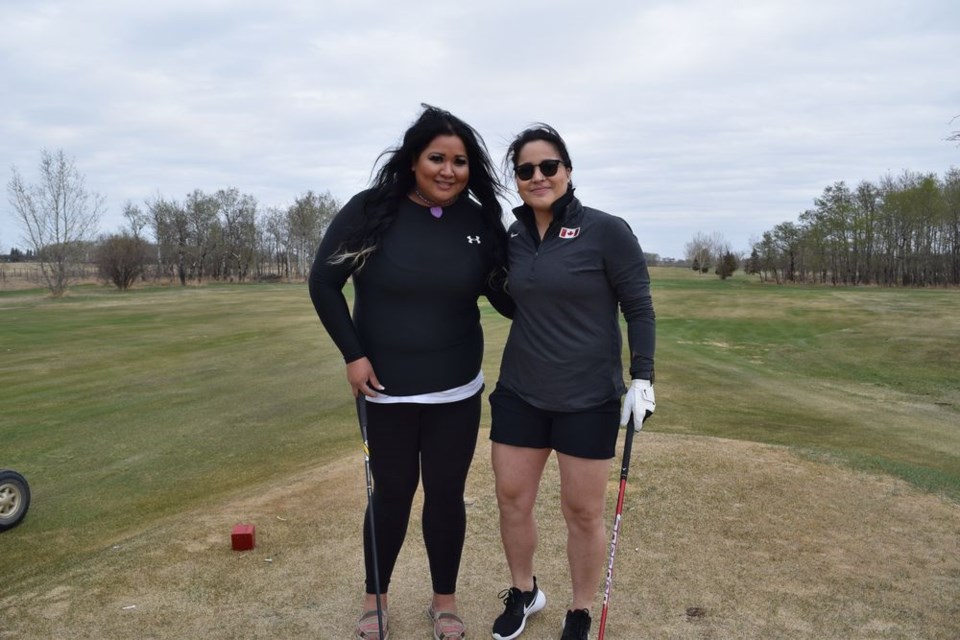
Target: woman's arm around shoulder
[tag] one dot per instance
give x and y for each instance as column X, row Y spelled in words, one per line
column 498, row 295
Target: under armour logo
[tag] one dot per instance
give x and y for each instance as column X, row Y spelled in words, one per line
column 473, row 239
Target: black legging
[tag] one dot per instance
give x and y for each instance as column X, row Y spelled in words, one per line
column 404, row 438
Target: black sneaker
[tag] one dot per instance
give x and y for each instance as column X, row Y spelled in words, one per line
column 518, row 605
column 577, row 625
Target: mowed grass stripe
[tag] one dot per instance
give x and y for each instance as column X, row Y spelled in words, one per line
column 822, row 369
column 122, row 409
column 125, row 409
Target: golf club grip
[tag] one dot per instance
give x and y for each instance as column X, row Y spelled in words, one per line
column 362, row 413
column 627, row 450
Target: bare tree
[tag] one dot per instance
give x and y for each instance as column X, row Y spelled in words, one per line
column 203, row 227
column 705, row 251
column 58, row 215
column 137, row 220
column 307, row 220
column 170, row 228
column 699, row 252
column 238, row 213
column 276, row 240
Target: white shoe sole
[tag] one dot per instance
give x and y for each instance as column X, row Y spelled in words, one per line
column 538, row 603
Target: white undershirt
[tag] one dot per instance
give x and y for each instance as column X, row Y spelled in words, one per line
column 437, row 397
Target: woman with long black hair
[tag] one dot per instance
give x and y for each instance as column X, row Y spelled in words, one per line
column 422, row 244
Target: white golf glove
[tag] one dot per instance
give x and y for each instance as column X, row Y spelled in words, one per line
column 639, row 403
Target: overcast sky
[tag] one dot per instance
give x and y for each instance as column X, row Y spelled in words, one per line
column 682, row 116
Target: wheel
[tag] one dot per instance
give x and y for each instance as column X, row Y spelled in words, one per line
column 14, row 499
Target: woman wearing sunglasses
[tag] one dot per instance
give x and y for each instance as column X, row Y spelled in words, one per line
column 561, row 377
column 420, row 251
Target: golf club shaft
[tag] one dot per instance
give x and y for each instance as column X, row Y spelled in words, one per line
column 624, row 470
column 362, row 417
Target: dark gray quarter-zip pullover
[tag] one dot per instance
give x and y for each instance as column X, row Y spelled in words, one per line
column 564, row 348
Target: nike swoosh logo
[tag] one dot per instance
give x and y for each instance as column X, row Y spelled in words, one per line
column 514, row 235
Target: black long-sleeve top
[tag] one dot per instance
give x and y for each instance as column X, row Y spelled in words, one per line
column 415, row 313
column 564, row 348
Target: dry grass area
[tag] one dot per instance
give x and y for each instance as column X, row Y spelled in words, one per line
column 721, row 539
column 24, row 276
column 20, row 276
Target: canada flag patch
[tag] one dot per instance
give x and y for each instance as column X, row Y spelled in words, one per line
column 566, row 232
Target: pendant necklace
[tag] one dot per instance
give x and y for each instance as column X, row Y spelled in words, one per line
column 436, row 209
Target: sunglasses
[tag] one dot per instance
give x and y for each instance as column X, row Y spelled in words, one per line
column 548, row 168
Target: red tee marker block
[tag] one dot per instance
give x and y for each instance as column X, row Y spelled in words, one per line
column 243, row 536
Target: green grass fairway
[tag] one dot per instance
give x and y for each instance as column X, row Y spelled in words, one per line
column 865, row 375
column 123, row 409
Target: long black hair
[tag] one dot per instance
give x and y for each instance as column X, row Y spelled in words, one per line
column 395, row 179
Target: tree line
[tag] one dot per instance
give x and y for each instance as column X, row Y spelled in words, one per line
column 224, row 235
column 902, row 230
column 899, row 231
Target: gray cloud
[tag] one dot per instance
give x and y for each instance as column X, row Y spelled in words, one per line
column 682, row 117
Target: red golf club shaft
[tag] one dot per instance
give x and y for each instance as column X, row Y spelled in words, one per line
column 624, row 470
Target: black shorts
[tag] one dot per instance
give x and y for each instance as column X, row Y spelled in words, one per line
column 584, row 434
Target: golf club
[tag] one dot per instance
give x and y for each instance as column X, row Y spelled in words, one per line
column 362, row 416
column 624, row 469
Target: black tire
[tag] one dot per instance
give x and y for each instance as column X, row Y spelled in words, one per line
column 14, row 499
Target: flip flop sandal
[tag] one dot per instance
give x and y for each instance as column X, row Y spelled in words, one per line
column 446, row 625
column 369, row 629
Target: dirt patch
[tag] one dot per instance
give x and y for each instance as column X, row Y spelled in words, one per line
column 720, row 539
